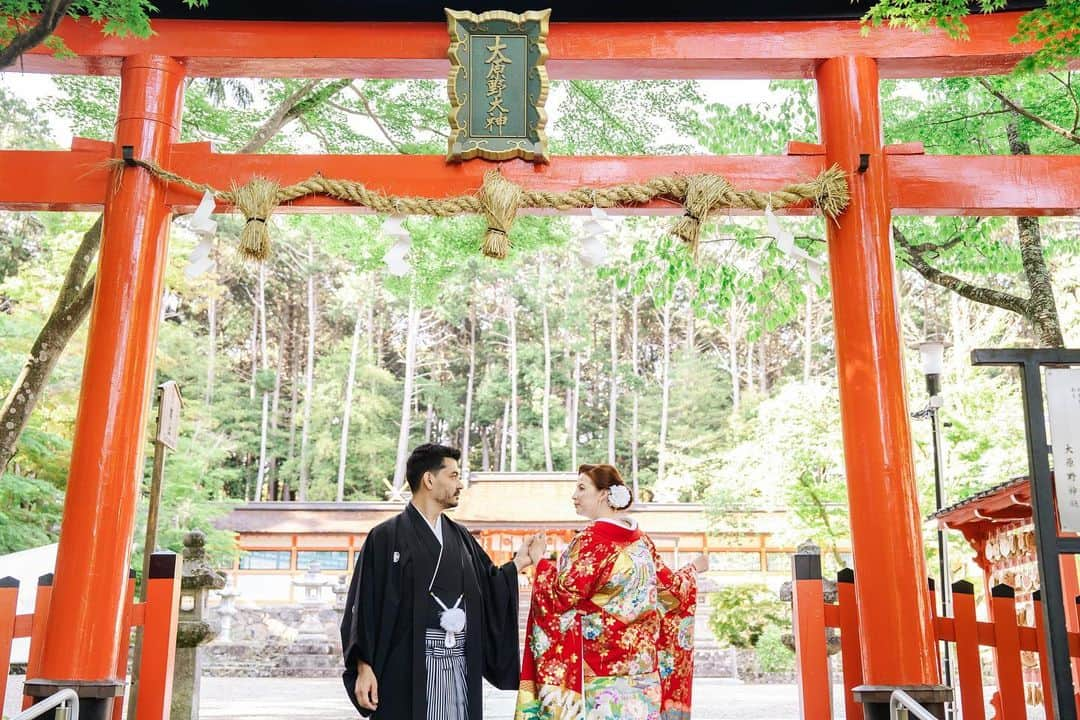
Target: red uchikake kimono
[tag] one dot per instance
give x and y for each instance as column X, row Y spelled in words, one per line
column 614, row 620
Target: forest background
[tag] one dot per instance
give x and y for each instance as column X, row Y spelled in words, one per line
column 713, row 381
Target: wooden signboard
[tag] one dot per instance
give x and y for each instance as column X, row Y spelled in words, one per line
column 498, row 85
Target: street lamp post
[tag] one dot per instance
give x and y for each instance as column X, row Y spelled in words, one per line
column 932, row 353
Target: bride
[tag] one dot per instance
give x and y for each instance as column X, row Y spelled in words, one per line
column 611, row 628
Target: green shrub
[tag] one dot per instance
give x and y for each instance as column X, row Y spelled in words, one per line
column 741, row 612
column 773, row 656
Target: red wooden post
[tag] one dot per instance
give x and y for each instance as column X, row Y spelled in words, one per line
column 932, row 585
column 9, row 597
column 159, row 638
column 42, row 601
column 808, row 610
column 849, row 641
column 125, row 647
column 1007, row 653
column 1044, row 667
column 93, row 557
column 886, row 529
column 1076, row 610
column 968, row 664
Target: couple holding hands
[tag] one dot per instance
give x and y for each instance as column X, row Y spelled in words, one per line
column 610, row 630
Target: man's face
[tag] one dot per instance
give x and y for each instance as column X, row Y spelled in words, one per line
column 446, row 486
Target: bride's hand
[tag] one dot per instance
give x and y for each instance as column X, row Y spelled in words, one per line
column 701, row 563
column 537, row 547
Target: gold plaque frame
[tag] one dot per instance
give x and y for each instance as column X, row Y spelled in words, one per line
column 462, row 144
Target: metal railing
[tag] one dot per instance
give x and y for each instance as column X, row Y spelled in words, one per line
column 904, row 707
column 66, row 698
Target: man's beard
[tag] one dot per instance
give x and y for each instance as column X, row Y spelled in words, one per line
column 451, row 500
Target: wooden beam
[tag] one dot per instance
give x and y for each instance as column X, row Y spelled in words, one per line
column 624, row 51
column 75, row 180
column 984, row 184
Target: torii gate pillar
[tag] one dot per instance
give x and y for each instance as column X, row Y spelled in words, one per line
column 83, row 637
column 891, row 581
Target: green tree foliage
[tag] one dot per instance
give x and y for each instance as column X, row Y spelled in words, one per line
column 28, row 23
column 1056, row 25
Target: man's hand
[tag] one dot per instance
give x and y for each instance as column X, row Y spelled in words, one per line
column 367, row 687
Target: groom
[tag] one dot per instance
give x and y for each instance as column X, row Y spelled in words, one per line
column 428, row 614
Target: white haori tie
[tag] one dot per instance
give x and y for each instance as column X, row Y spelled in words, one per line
column 451, row 620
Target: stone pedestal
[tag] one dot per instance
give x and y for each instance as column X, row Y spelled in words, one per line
column 196, row 580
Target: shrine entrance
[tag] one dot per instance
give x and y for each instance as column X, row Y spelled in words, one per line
column 146, row 175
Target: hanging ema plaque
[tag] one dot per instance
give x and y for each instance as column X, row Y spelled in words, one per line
column 498, row 85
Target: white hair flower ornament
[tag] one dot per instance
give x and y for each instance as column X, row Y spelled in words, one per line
column 618, row 497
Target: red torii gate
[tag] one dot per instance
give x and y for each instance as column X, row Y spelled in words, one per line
column 83, row 636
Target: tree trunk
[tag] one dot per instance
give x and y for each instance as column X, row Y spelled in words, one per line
column 211, row 357
column 568, row 407
column 294, row 384
column 466, row 432
column 574, row 412
column 371, row 355
column 733, row 355
column 665, row 393
column 412, row 332
column 1042, row 308
column 309, row 379
column 513, row 385
column 47, row 16
column 613, row 396
column 691, row 327
column 429, row 421
column 505, row 436
column 808, row 338
column 548, row 463
column 275, row 405
column 253, row 346
column 763, row 366
column 750, row 379
column 346, row 408
column 264, row 363
column 279, row 372
column 485, row 450
column 634, row 423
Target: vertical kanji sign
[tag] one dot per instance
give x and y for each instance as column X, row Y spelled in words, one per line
column 1063, row 405
column 498, row 85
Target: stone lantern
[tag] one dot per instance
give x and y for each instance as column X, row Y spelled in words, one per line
column 196, row 581
column 311, row 629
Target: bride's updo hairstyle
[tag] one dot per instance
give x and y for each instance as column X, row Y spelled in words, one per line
column 607, row 477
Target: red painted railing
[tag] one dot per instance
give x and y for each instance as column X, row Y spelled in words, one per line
column 967, row 635
column 157, row 616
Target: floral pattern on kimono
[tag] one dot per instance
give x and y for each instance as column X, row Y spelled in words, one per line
column 610, row 633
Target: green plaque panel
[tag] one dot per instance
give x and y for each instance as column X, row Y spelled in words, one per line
column 498, row 85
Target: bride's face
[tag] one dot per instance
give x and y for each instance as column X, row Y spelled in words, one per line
column 588, row 501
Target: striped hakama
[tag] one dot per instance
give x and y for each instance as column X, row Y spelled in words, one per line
column 447, row 690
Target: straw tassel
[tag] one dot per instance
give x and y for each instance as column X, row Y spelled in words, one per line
column 704, row 193
column 257, row 201
column 499, row 199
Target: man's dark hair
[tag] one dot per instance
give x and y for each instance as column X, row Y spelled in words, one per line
column 428, row 457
